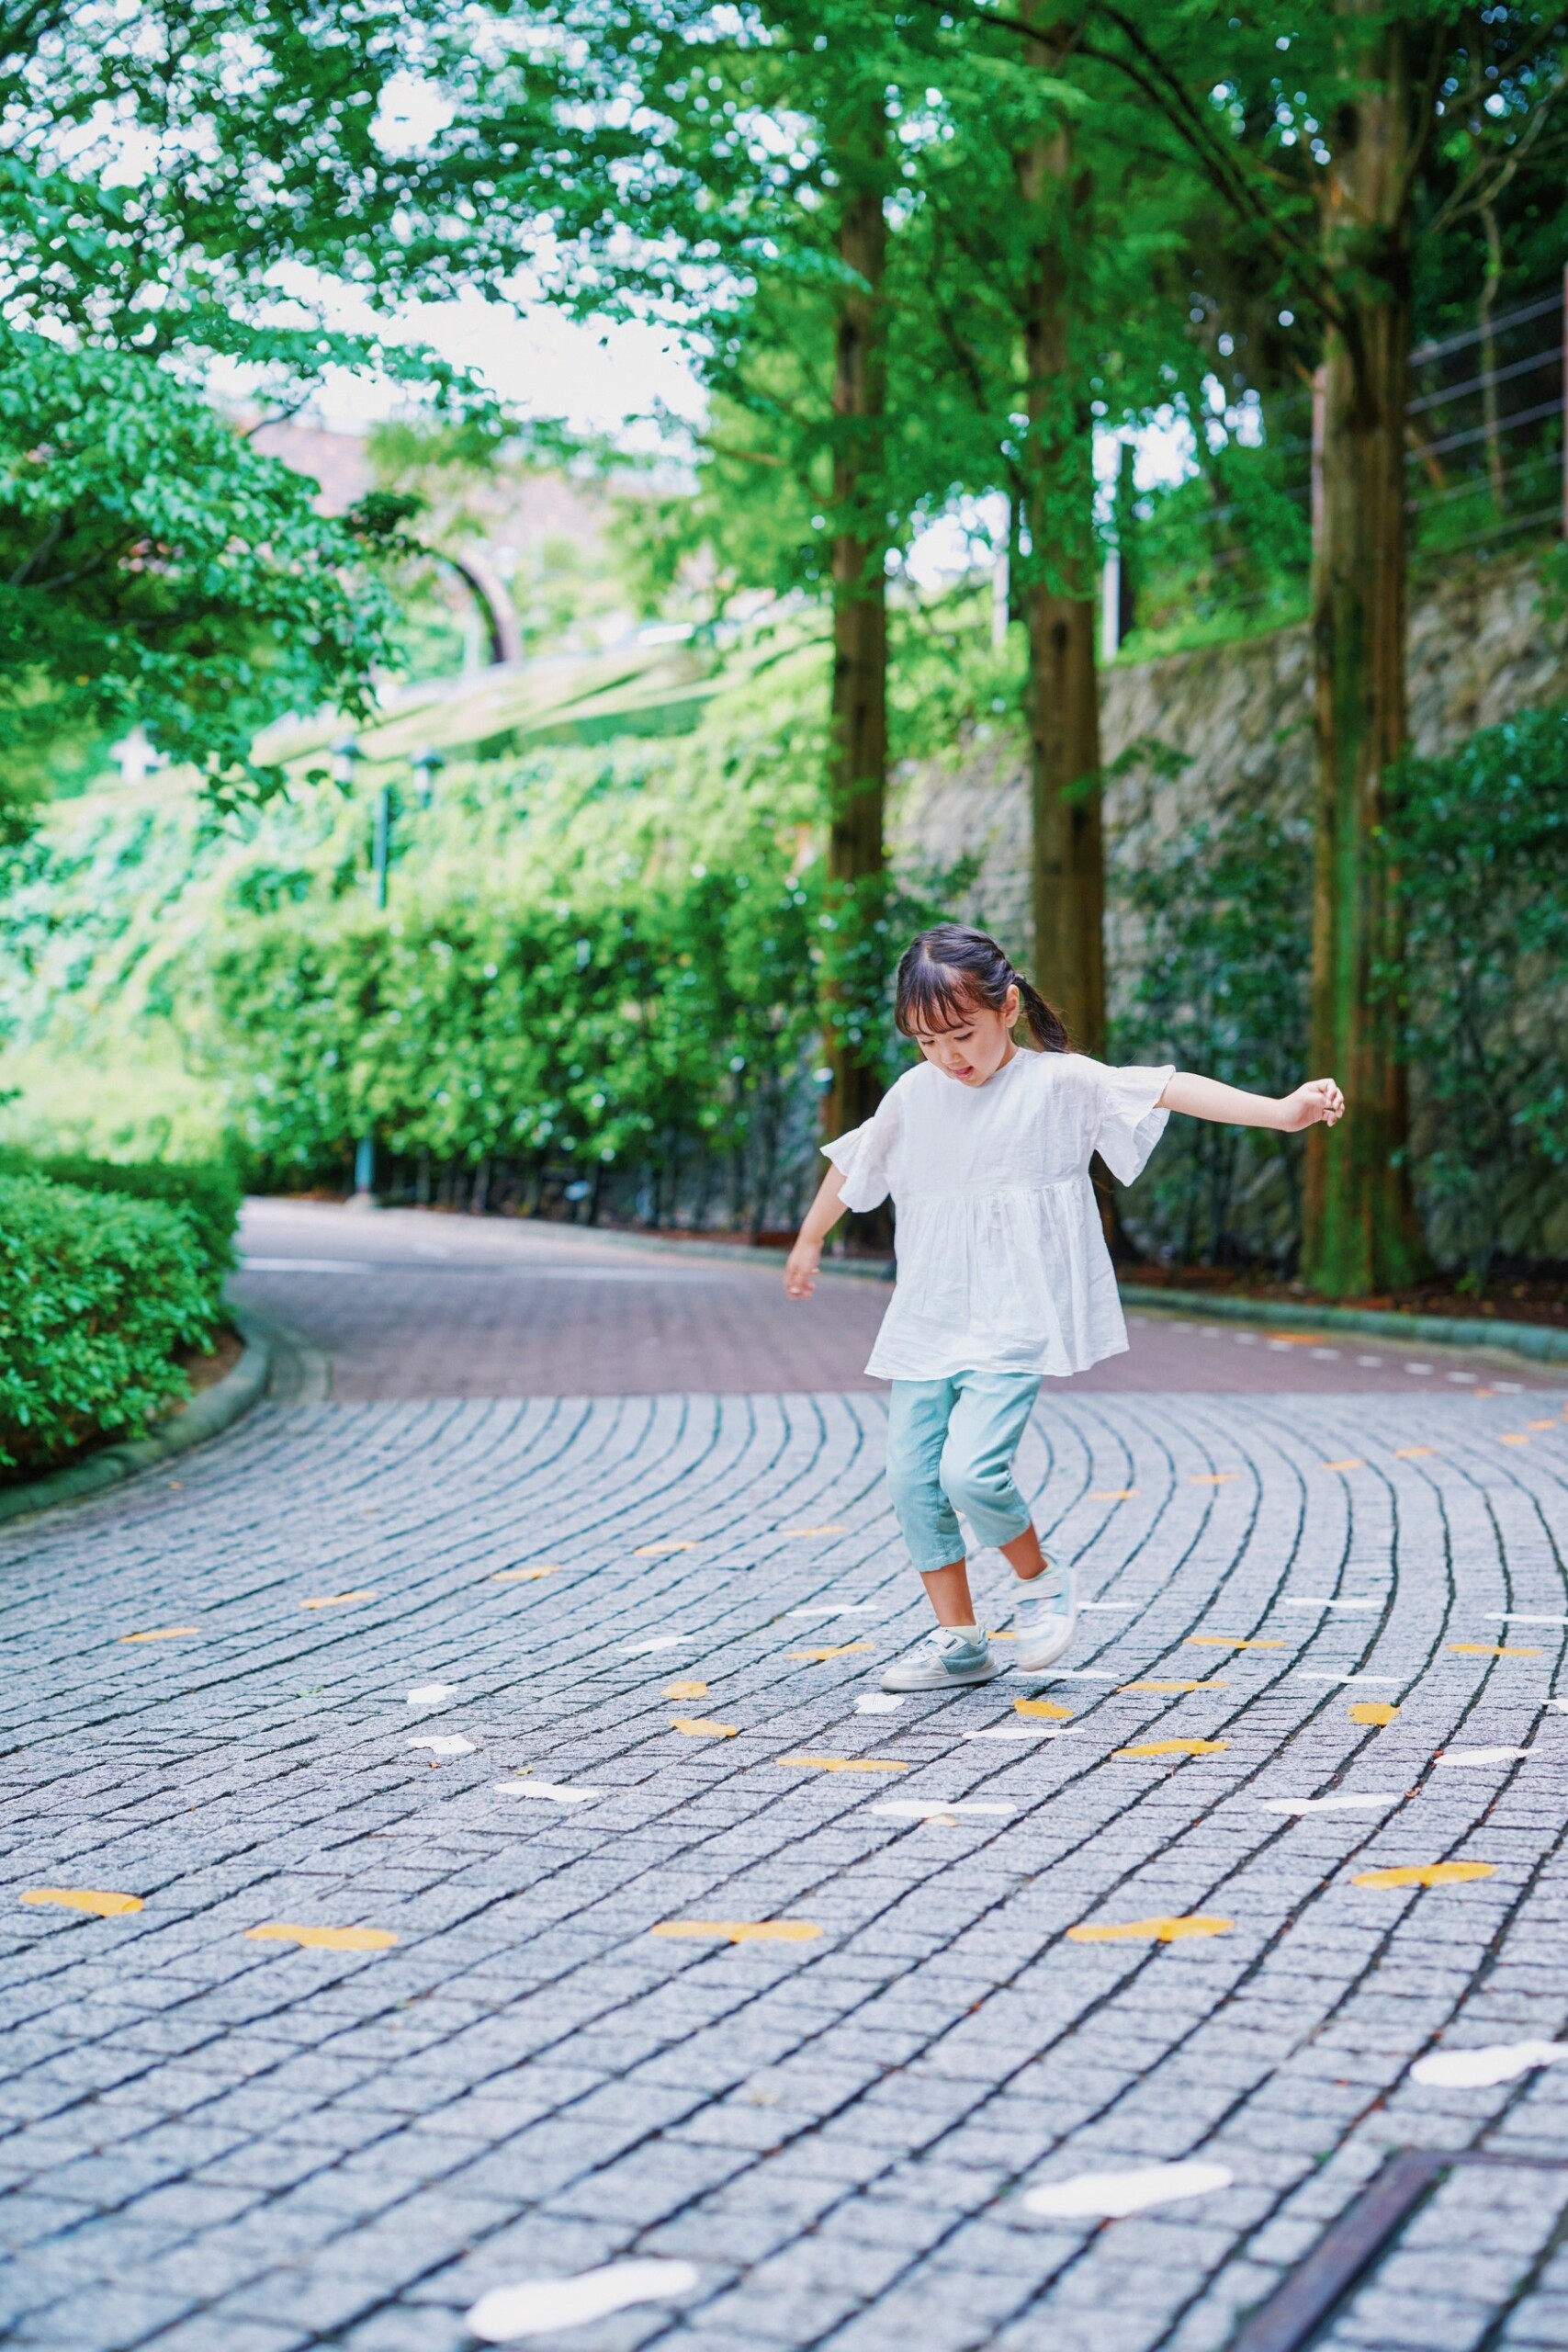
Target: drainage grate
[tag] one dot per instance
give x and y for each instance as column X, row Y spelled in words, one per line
column 1447, row 2235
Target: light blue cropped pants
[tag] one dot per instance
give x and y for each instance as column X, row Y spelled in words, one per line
column 949, row 1449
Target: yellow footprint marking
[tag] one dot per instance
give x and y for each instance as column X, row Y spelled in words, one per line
column 1227, row 1641
column 338, row 1599
column 1425, row 1874
column 101, row 1900
column 279, row 1931
column 526, row 1576
column 703, row 1727
column 162, row 1633
column 1042, row 1707
column 1371, row 1711
column 1176, row 1748
column 1113, row 1494
column 1164, row 1931
column 841, row 1649
column 652, row 1550
column 1212, row 1477
column 1353, row 1462
column 742, row 1931
column 685, row 1691
column 1493, row 1649
column 847, row 1763
column 1413, row 1453
column 1514, row 1437
column 798, row 1532
column 1173, row 1686
column 1540, row 1425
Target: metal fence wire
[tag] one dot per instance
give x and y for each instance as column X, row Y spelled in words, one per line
column 1485, row 465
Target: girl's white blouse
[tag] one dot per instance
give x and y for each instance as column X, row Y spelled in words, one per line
column 1002, row 1262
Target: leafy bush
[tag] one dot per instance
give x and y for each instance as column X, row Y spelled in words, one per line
column 97, row 1295
column 600, row 989
column 1481, row 837
column 207, row 1192
column 650, row 1041
column 1214, row 955
column 1217, row 962
column 1226, row 549
column 598, row 981
column 156, row 566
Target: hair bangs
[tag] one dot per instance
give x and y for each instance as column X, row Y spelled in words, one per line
column 934, row 998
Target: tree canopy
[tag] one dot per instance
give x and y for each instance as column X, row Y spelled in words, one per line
column 170, row 179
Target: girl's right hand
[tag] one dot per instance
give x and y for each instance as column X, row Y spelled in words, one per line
column 1319, row 1099
column 800, row 1270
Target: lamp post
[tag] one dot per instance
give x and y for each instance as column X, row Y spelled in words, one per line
column 426, row 767
column 382, row 845
column 346, row 755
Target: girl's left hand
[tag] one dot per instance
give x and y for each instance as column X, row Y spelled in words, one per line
column 800, row 1270
column 1318, row 1099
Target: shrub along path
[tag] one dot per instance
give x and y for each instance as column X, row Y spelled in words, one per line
column 450, row 1849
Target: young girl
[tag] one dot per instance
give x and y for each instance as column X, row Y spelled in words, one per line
column 1003, row 1272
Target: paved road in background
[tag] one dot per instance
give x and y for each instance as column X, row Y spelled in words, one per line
column 635, row 1931
column 410, row 1305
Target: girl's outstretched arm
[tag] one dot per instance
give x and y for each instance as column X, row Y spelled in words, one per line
column 1208, row 1098
column 800, row 1273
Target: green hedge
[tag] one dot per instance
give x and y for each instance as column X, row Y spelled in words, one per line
column 207, row 1192
column 655, row 1038
column 97, row 1294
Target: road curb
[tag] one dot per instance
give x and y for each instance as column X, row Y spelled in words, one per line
column 206, row 1416
column 1538, row 1342
column 300, row 1373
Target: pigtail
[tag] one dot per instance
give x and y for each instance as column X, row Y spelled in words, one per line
column 1046, row 1025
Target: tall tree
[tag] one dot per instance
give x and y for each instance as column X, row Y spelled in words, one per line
column 1067, row 861
column 857, row 744
column 736, row 177
column 1042, row 326
column 157, row 167
column 1336, row 144
column 1360, row 1227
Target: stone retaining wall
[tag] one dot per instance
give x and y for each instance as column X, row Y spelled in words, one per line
column 1483, row 645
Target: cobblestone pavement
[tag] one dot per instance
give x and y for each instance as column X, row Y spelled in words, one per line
column 668, row 1609
column 408, row 1304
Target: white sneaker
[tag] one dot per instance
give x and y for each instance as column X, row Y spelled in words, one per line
column 945, row 1661
column 1047, row 1622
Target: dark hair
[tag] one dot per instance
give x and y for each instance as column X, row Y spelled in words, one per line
column 948, row 970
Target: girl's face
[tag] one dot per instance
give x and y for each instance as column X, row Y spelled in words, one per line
column 974, row 1048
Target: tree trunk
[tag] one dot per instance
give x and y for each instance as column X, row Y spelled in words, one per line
column 1360, row 1230
column 857, row 756
column 1488, row 356
column 1059, row 608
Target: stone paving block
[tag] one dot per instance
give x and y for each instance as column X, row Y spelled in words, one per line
column 203, row 2332
column 396, row 2329
column 114, row 2315
column 838, row 2131
column 1410, row 2322
column 1540, row 2324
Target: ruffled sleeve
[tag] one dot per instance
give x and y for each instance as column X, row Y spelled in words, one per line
column 864, row 1157
column 1129, row 1124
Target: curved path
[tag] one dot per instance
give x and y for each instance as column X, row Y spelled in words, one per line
column 225, row 2142
column 409, row 1304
